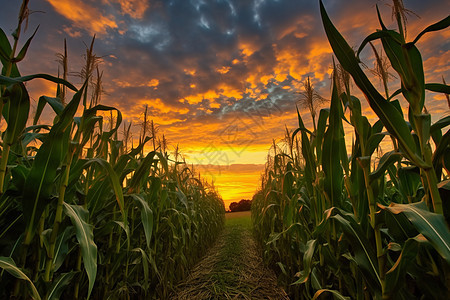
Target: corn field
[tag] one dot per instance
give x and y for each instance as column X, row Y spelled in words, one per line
column 83, row 213
column 364, row 224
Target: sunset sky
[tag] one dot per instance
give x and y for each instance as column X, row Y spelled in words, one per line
column 221, row 78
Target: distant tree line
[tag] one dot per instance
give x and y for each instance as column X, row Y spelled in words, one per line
column 242, row 205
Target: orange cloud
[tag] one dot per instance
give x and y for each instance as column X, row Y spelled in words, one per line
column 314, row 59
column 151, row 83
column 72, row 32
column 212, row 94
column 223, row 70
column 135, row 8
column 161, row 107
column 84, row 15
column 247, row 49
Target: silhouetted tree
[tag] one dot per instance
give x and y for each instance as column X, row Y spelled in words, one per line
column 242, row 205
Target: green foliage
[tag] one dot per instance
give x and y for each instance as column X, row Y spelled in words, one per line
column 82, row 214
column 361, row 225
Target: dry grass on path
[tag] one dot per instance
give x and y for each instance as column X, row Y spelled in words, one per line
column 232, row 268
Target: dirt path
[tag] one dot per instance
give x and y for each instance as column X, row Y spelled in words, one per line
column 232, row 268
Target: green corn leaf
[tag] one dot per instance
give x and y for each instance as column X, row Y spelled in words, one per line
column 444, row 122
column 145, row 266
column 29, row 137
column 386, row 160
column 113, row 179
column 431, row 225
column 297, row 227
column 163, row 162
column 8, row 264
column 10, row 81
column 5, row 54
column 310, row 166
column 182, row 197
column 438, row 88
column 307, row 261
column 141, row 172
column 24, row 49
column 444, row 191
column 407, row 61
column 85, row 236
column 321, row 127
column 364, row 253
column 396, row 93
column 92, row 111
column 146, row 217
column 331, row 151
column 390, row 116
column 19, row 174
column 399, row 227
column 363, row 250
column 395, row 277
column 373, row 142
column 5, row 48
column 440, row 153
column 17, row 108
column 38, row 128
column 409, row 181
column 55, row 104
column 335, row 294
column 436, row 129
column 62, row 247
column 59, row 285
column 374, row 36
column 442, row 24
column 39, row 183
column 88, row 127
column 98, row 196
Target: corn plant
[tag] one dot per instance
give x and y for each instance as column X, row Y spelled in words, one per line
column 358, row 225
column 83, row 214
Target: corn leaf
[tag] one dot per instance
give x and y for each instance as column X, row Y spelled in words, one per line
column 321, row 127
column 39, row 183
column 307, row 260
column 386, row 160
column 10, row 81
column 59, row 285
column 390, row 116
column 24, row 49
column 395, row 277
column 431, row 225
column 85, row 237
column 113, row 180
column 335, row 294
column 331, row 151
column 17, row 110
column 442, row 24
column 364, row 252
column 438, row 88
column 55, row 104
column 5, row 48
column 141, row 172
column 8, row 264
column 146, row 217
